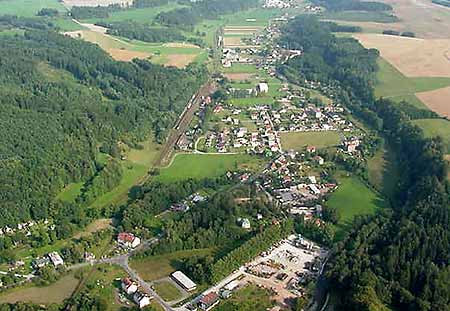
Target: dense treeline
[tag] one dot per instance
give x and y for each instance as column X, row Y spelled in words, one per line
column 399, row 258
column 353, row 5
column 12, row 21
column 188, row 17
column 334, row 27
column 143, row 32
column 250, row 249
column 61, row 98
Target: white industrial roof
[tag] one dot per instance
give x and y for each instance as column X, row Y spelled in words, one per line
column 183, row 279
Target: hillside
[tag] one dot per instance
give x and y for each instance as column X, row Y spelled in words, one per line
column 64, row 99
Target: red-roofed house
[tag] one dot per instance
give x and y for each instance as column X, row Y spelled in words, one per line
column 208, row 301
column 128, row 239
column 129, row 286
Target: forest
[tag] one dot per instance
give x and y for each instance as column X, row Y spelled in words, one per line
column 86, row 12
column 398, row 259
column 62, row 99
column 352, row 5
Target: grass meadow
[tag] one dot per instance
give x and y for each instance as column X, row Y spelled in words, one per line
column 353, row 198
column 197, row 166
column 436, row 127
column 299, row 140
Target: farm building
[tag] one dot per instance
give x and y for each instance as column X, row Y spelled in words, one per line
column 128, row 240
column 208, row 301
column 56, row 259
column 185, row 282
column 129, row 286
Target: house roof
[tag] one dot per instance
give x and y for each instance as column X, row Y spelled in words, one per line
column 209, row 299
column 125, row 237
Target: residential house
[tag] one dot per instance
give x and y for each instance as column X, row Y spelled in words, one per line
column 209, row 301
column 128, row 240
column 141, row 299
column 129, row 286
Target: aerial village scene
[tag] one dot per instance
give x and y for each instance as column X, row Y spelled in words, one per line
column 255, row 112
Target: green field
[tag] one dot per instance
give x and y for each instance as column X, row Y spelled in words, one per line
column 157, row 267
column 185, row 166
column 70, row 192
column 436, row 127
column 241, row 68
column 28, row 7
column 248, row 298
column 359, row 16
column 392, row 84
column 353, row 198
column 299, row 140
column 167, row 290
column 54, row 293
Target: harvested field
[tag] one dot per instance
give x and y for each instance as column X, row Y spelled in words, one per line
column 239, row 76
column 411, row 56
column 180, row 60
column 232, row 41
column 127, row 55
column 426, row 19
column 54, row 293
column 437, row 100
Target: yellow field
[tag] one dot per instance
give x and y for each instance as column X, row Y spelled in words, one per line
column 239, row 76
column 411, row 56
column 180, row 60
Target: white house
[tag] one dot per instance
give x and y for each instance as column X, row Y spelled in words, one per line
column 56, row 259
column 185, row 282
column 141, row 299
column 129, row 286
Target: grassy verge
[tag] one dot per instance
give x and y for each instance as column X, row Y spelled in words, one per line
column 167, row 290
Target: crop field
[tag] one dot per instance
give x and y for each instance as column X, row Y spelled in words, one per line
column 55, row 293
column 392, row 84
column 436, row 127
column 157, row 267
column 437, row 100
column 353, row 198
column 299, row 140
column 411, row 56
column 167, row 290
column 185, row 166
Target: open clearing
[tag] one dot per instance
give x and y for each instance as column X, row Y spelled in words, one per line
column 167, row 290
column 299, row 140
column 437, row 100
column 96, row 225
column 180, row 60
column 160, row 266
column 185, row 166
column 436, row 127
column 55, row 293
column 127, row 55
column 28, row 8
column 251, row 297
column 353, row 198
column 239, row 76
column 383, row 171
column 411, row 56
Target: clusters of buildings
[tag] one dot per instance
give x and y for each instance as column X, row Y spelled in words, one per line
column 281, row 4
column 131, row 289
column 186, row 204
column 22, row 227
column 51, row 258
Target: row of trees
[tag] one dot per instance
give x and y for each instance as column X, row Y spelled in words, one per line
column 353, row 5
column 86, row 12
column 399, row 258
